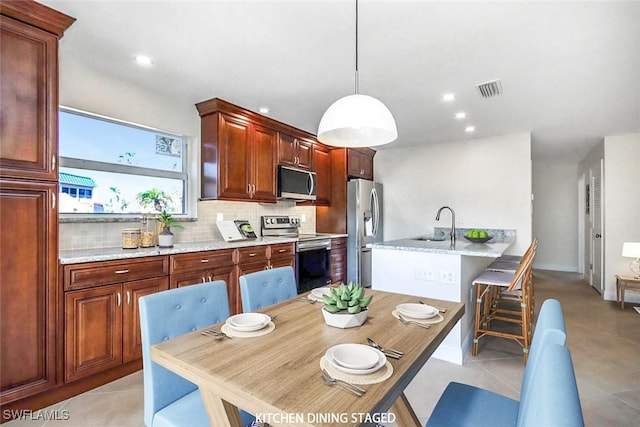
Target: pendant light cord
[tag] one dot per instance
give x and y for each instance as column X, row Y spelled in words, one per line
column 357, row 88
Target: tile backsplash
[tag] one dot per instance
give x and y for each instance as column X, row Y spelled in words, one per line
column 106, row 233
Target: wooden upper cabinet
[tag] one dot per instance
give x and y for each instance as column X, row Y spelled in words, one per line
column 263, row 173
column 238, row 155
column 295, row 151
column 28, row 101
column 234, row 148
column 360, row 163
column 322, row 166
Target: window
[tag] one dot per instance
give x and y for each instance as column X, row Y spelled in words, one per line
column 112, row 167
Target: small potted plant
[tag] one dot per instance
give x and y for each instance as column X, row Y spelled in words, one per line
column 346, row 306
column 165, row 239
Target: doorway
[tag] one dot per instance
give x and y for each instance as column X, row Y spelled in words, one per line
column 594, row 211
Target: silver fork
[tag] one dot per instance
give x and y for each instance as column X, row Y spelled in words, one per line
column 329, row 380
column 411, row 322
column 309, row 300
column 216, row 333
column 210, row 334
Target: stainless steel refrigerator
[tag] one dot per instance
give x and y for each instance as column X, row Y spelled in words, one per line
column 364, row 225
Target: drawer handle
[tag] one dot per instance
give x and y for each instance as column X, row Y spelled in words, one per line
column 204, row 260
column 282, row 250
column 121, row 271
column 254, row 254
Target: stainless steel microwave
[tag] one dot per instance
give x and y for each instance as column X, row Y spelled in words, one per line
column 296, row 184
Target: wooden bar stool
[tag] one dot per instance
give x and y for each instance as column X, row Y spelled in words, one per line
column 488, row 311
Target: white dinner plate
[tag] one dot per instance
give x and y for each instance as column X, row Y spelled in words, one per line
column 318, row 292
column 247, row 322
column 346, row 356
column 417, row 311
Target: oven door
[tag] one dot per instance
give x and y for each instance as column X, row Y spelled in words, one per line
column 313, row 265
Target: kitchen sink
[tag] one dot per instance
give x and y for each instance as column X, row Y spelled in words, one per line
column 431, row 238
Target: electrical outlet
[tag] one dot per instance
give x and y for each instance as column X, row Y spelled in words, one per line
column 424, row 274
column 219, row 216
column 447, row 276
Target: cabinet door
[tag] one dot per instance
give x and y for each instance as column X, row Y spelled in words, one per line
column 305, row 154
column 93, row 331
column 286, row 149
column 234, row 143
column 131, row 337
column 187, row 279
column 283, row 262
column 28, row 287
column 322, row 167
column 360, row 164
column 28, row 101
column 263, row 177
column 247, row 268
column 227, row 274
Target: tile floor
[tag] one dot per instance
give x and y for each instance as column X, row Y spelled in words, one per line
column 604, row 342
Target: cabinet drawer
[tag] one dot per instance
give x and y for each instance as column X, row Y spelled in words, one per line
column 90, row 274
column 283, row 250
column 252, row 254
column 198, row 261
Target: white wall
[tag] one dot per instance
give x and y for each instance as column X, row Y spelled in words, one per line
column 555, row 215
column 621, row 206
column 488, row 182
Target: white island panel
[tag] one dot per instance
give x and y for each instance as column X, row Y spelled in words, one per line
column 435, row 272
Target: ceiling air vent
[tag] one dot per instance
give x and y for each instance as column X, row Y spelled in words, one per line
column 489, row 89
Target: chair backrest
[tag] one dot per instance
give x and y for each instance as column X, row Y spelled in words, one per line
column 553, row 400
column 549, row 329
column 263, row 288
column 168, row 314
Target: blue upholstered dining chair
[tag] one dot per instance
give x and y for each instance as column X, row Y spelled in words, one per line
column 263, row 288
column 169, row 399
column 466, row 405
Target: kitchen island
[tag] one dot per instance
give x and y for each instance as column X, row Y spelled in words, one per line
column 436, row 269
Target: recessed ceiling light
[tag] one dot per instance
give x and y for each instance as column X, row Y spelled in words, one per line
column 448, row 97
column 469, row 128
column 461, row 115
column 144, row 61
column 264, row 110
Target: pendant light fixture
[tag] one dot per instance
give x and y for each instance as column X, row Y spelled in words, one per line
column 357, row 120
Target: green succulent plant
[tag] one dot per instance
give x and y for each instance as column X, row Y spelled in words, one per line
column 346, row 297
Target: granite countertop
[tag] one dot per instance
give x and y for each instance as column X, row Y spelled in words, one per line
column 110, row 254
column 493, row 248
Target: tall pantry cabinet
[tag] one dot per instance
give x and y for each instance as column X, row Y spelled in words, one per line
column 29, row 291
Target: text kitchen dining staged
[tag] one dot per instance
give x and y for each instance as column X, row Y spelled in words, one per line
column 279, row 374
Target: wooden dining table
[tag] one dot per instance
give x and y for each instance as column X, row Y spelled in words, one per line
column 278, row 378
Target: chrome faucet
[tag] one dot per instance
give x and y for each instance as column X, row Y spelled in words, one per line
column 453, row 223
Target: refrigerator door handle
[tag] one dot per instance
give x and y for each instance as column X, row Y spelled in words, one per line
column 375, row 210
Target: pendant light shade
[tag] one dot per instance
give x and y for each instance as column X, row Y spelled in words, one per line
column 357, row 121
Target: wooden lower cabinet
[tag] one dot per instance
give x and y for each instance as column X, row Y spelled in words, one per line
column 102, row 326
column 93, row 331
column 338, row 260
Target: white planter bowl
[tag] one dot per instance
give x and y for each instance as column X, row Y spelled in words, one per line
column 343, row 319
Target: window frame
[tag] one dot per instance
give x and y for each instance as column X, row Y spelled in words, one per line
column 92, row 165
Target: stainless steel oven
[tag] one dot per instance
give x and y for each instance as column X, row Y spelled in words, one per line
column 313, row 252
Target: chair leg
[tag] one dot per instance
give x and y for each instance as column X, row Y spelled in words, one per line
column 478, row 318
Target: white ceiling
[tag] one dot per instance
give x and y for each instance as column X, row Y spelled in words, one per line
column 570, row 71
